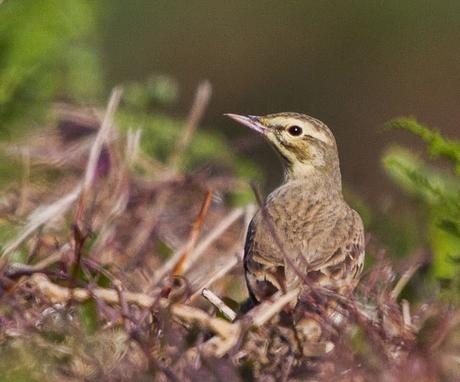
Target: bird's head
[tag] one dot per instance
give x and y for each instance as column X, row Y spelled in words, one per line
column 305, row 144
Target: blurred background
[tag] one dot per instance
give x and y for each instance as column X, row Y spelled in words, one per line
column 352, row 64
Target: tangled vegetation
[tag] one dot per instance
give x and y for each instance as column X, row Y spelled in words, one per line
column 114, row 261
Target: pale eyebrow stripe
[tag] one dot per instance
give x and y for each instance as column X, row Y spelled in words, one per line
column 310, row 130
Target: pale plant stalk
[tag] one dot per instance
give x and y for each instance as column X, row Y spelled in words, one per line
column 201, row 247
column 219, row 304
column 102, row 137
column 200, row 103
column 45, row 214
column 156, row 210
column 232, row 260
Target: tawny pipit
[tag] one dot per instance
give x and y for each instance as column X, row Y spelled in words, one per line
column 322, row 238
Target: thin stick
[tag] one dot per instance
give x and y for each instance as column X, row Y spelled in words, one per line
column 224, row 224
column 102, row 136
column 123, row 305
column 406, row 314
column 133, row 142
column 202, row 97
column 152, row 215
column 223, row 269
column 20, row 269
column 287, row 368
column 43, row 215
column 265, row 311
column 200, row 248
column 219, row 304
column 190, row 314
column 58, row 294
column 232, row 260
column 402, row 282
column 219, row 346
column 194, row 234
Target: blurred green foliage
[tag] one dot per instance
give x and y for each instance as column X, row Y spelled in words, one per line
column 47, row 52
column 160, row 134
column 161, row 89
column 397, row 232
column 437, row 189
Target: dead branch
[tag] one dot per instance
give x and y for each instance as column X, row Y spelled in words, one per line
column 232, row 260
column 219, row 304
column 194, row 234
column 43, row 215
column 224, row 224
column 102, row 137
column 262, row 313
column 405, row 278
column 57, row 294
column 223, row 269
column 220, row 346
column 22, row 269
column 202, row 97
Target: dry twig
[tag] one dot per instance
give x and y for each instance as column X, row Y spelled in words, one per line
column 405, row 278
column 224, row 224
column 194, row 234
column 57, row 294
column 202, row 97
column 44, row 214
column 219, row 304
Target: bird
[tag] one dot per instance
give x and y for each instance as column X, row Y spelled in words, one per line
column 304, row 231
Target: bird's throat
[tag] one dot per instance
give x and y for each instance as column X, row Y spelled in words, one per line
column 315, row 176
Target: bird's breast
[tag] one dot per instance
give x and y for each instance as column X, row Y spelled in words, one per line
column 298, row 218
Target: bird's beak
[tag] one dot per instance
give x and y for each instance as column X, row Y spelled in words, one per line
column 251, row 121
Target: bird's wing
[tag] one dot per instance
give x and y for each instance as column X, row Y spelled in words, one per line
column 263, row 275
column 334, row 252
column 248, row 245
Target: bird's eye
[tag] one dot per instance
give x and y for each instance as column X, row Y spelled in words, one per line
column 295, row 130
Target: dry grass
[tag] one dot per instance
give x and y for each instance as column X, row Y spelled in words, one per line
column 116, row 264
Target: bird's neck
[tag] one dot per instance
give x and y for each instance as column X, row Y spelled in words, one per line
column 328, row 178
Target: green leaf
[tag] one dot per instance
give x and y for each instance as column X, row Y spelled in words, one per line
column 437, row 144
column 433, row 186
